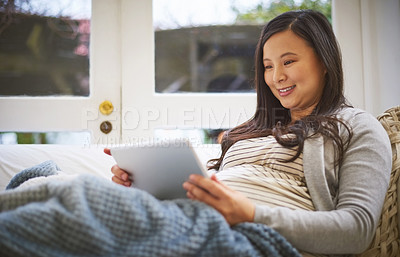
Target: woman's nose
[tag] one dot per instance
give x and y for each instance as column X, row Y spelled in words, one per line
column 278, row 75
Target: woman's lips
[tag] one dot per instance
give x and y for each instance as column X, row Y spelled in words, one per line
column 286, row 91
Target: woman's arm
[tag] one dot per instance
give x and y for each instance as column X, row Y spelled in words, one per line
column 363, row 181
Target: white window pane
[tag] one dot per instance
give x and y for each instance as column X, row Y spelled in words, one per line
column 44, row 47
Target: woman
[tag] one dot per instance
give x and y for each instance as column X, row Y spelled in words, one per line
column 307, row 164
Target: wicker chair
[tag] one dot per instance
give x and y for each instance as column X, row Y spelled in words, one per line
column 386, row 242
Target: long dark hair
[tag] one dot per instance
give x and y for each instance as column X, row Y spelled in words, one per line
column 271, row 118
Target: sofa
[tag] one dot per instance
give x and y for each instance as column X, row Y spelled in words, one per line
column 73, row 159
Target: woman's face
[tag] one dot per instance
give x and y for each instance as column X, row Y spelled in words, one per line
column 293, row 72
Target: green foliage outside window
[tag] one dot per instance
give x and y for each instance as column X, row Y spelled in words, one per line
column 263, row 12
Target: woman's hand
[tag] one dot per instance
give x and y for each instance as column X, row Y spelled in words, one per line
column 234, row 206
column 120, row 176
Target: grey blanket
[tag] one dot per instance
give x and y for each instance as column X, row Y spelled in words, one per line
column 91, row 216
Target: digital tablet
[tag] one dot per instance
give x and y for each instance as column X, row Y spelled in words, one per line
column 160, row 168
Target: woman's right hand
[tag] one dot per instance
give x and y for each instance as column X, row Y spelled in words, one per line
column 120, row 176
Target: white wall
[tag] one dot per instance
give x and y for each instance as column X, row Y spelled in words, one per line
column 369, row 35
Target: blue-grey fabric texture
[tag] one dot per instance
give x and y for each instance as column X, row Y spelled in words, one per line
column 44, row 169
column 91, row 216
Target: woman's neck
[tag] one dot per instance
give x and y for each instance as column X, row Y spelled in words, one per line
column 299, row 114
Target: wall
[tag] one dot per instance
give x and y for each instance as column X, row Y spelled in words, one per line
column 368, row 32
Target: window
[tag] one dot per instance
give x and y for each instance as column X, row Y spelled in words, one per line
column 208, row 86
column 208, row 46
column 44, row 47
column 48, row 84
column 204, row 51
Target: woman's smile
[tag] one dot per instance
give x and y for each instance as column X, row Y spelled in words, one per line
column 286, row 91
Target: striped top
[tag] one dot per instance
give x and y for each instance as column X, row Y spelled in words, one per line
column 255, row 168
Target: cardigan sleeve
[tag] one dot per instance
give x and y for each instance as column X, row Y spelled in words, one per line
column 362, row 179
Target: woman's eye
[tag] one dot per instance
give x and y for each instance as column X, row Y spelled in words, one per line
column 288, row 62
column 267, row 67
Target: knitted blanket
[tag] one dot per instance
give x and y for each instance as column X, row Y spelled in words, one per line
column 91, row 216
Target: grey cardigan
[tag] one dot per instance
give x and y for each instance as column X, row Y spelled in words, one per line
column 348, row 200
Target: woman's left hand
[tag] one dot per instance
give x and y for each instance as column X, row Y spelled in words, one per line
column 234, row 206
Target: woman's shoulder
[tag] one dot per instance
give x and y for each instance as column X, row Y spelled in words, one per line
column 357, row 117
column 351, row 112
column 362, row 123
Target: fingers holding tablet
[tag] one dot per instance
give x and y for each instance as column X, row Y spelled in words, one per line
column 120, row 176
